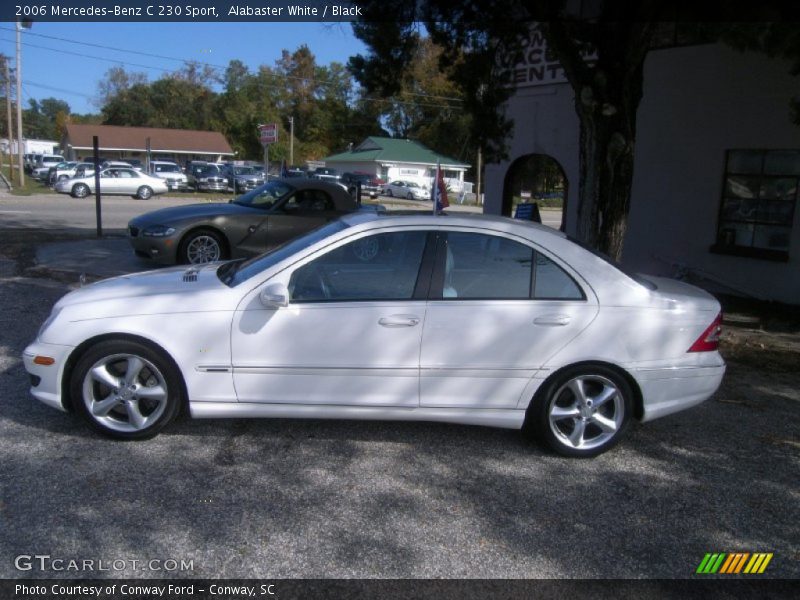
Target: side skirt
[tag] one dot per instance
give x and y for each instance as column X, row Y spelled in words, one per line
column 504, row 418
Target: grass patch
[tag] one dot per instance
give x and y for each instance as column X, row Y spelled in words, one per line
column 32, row 186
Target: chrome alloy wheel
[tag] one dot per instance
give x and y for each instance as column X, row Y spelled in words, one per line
column 203, row 249
column 125, row 392
column 586, row 412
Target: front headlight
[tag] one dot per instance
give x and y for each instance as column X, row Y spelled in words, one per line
column 158, row 231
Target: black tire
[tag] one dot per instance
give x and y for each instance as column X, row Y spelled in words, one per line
column 135, row 392
column 191, row 249
column 144, row 193
column 389, row 192
column 409, row 196
column 607, row 401
column 80, row 190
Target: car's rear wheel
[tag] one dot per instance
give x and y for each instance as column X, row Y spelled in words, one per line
column 80, row 190
column 126, row 389
column 582, row 412
column 144, row 193
column 202, row 246
column 389, row 192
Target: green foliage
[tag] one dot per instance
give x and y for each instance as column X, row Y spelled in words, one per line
column 327, row 115
column 45, row 119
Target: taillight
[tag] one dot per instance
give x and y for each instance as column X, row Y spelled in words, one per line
column 709, row 339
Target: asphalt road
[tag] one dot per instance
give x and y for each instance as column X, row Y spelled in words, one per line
column 290, row 498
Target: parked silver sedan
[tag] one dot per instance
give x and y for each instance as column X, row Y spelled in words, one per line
column 406, row 189
column 115, row 181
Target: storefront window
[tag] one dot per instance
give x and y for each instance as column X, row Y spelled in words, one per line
column 758, row 202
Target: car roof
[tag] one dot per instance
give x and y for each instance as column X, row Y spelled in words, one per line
column 341, row 198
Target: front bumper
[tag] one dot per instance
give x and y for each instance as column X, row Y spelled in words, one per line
column 247, row 184
column 216, row 186
column 176, row 184
column 46, row 380
column 163, row 250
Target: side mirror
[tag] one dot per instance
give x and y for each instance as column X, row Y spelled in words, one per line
column 274, row 296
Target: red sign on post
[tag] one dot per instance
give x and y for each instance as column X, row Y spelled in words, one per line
column 268, row 134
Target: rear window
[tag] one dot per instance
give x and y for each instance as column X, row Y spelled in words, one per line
column 638, row 278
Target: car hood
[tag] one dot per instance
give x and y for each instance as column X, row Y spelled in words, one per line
column 166, row 216
column 177, row 289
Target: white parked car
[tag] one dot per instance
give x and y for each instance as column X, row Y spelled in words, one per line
column 124, row 181
column 407, row 189
column 171, row 173
column 464, row 319
column 42, row 168
column 66, row 170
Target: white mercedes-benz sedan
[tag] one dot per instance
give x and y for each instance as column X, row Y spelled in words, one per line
column 463, row 319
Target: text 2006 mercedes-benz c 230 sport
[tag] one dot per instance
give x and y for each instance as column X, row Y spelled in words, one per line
column 464, row 319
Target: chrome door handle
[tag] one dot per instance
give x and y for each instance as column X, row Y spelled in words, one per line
column 552, row 320
column 399, row 321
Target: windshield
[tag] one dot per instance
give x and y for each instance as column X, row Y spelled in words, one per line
column 167, row 169
column 264, row 196
column 235, row 272
column 244, row 171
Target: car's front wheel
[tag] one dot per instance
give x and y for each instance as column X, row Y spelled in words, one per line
column 582, row 412
column 200, row 247
column 125, row 389
column 80, row 190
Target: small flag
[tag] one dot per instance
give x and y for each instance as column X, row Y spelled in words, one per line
column 284, row 170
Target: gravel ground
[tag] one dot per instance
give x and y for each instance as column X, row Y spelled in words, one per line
column 287, row 498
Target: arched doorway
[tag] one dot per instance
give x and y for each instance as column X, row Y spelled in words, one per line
column 537, row 178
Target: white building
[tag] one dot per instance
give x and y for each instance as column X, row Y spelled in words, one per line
column 392, row 159
column 30, row 146
column 717, row 167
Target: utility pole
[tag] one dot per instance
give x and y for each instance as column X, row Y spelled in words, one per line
column 478, row 183
column 291, row 141
column 20, row 148
column 10, row 130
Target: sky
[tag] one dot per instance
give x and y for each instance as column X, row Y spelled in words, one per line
column 69, row 70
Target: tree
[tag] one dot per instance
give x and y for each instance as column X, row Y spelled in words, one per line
column 116, row 81
column 327, row 112
column 129, row 107
column 45, row 118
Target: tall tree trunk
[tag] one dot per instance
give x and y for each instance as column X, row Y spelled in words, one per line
column 608, row 90
column 606, row 176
